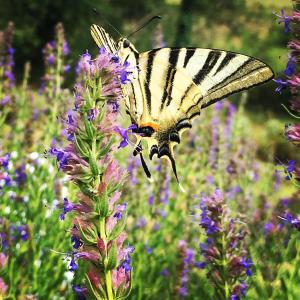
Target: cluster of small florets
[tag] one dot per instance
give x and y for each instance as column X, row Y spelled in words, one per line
column 224, row 251
column 7, row 78
column 292, row 82
column 54, row 53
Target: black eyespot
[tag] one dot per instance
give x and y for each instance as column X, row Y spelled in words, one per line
column 126, row 43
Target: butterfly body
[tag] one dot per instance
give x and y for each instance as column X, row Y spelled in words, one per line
column 170, row 86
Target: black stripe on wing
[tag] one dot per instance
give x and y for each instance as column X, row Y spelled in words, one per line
column 149, row 67
column 226, row 60
column 173, row 59
column 212, row 58
column 188, row 56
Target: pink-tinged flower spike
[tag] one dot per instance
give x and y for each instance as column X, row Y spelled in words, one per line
column 294, row 46
column 7, row 78
column 3, row 260
column 99, row 218
column 3, row 286
column 225, row 255
column 294, row 84
column 296, row 17
column 186, row 262
column 292, row 132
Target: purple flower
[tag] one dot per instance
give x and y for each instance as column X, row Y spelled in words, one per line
column 200, row 264
column 66, row 49
column 23, row 232
column 73, row 266
column 20, row 175
column 4, row 161
column 165, row 272
column 290, row 67
column 80, row 291
column 5, row 100
column 51, row 59
column 67, row 68
column 151, row 200
column 290, row 168
column 247, row 263
column 290, row 220
column 141, row 222
column 67, row 207
column 126, row 264
column 61, row 156
column 283, row 18
column 281, row 85
column 76, row 242
column 149, row 249
column 124, row 134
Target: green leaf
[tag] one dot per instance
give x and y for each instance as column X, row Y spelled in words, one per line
column 93, row 164
column 81, row 146
column 102, row 205
column 88, row 238
column 89, row 128
column 106, row 149
column 84, row 189
column 112, row 257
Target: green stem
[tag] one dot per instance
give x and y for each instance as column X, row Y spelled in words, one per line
column 108, row 280
column 224, row 269
column 297, row 117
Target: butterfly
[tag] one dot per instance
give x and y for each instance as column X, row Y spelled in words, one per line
column 171, row 86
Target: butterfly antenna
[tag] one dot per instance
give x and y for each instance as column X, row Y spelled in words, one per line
column 145, row 24
column 113, row 27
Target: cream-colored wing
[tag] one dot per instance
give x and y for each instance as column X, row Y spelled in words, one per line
column 177, row 82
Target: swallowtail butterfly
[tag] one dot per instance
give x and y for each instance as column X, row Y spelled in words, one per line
column 172, row 85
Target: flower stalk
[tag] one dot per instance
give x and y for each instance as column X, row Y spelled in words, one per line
column 99, row 219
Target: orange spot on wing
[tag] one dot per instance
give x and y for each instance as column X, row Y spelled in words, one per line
column 155, row 126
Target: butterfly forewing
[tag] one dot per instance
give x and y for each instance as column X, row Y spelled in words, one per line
column 103, row 39
column 217, row 74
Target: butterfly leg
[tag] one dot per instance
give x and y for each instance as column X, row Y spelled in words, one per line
column 138, row 150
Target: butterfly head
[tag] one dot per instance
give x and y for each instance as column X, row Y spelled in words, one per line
column 125, row 46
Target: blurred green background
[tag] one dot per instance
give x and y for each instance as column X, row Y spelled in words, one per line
column 246, row 26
